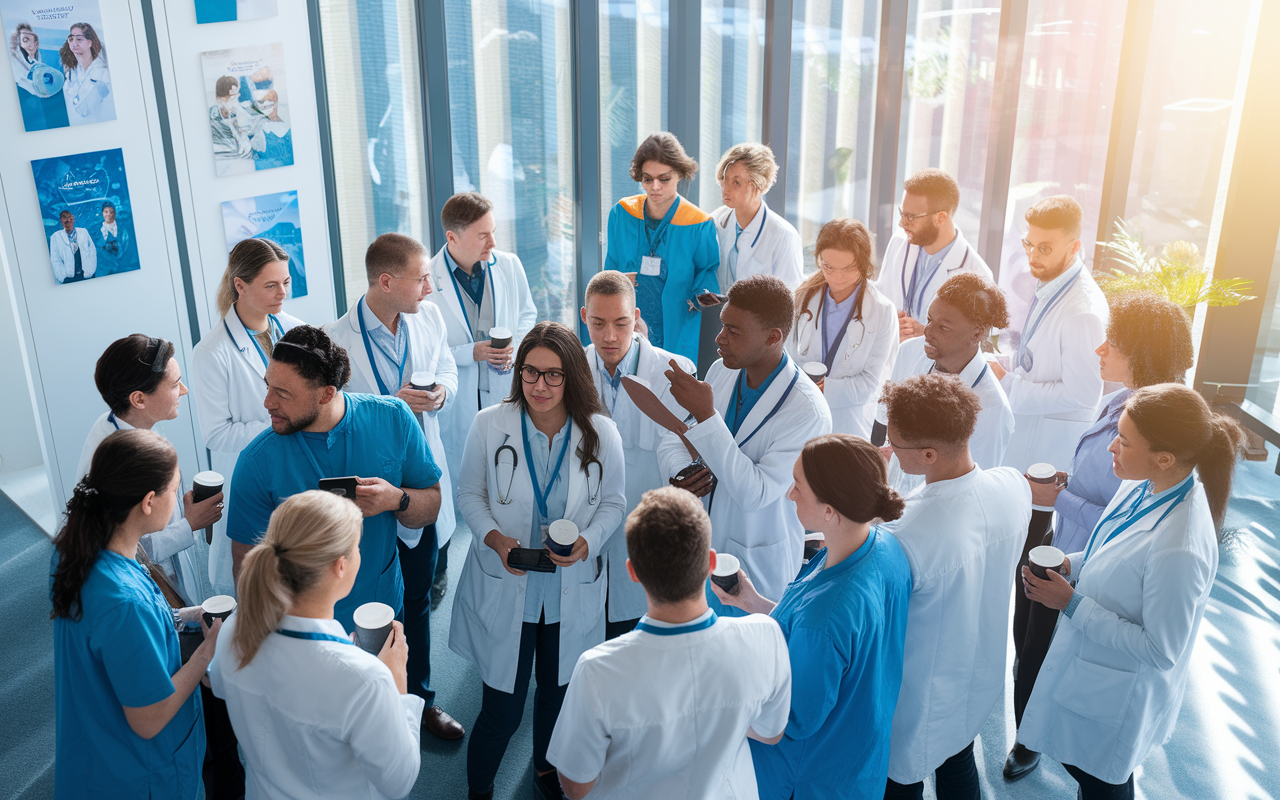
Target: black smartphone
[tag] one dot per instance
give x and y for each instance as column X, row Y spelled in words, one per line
column 708, row 299
column 343, row 487
column 530, row 559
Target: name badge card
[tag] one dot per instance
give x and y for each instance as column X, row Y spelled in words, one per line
column 651, row 266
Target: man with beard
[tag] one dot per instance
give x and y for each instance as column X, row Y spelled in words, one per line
column 929, row 250
column 319, row 431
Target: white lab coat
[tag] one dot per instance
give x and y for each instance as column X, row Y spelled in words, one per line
column 640, row 437
column 1057, row 401
column 769, row 245
column 64, row 260
column 488, row 611
column 513, row 309
column 963, row 539
column 88, row 94
column 867, row 355
column 899, row 263
column 227, row 384
column 751, row 516
column 1113, row 680
column 430, row 353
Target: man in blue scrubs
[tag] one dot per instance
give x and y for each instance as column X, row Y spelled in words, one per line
column 319, row 431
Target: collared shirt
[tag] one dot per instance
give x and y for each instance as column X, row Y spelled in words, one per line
column 388, row 348
column 478, row 309
column 925, row 265
column 834, row 315
column 542, row 592
column 471, row 282
column 610, row 385
column 748, row 397
column 1092, row 482
column 1045, row 291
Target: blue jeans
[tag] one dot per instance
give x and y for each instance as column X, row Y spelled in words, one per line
column 418, row 566
column 956, row 779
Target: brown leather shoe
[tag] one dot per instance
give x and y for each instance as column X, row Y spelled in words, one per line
column 441, row 725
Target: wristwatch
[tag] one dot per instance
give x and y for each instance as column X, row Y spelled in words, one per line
column 404, row 501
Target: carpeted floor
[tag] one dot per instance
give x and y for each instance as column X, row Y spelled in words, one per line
column 1225, row 744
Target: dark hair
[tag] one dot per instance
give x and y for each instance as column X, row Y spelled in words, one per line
column 580, row 397
column 936, row 409
column 126, row 466
column 938, row 187
column 1175, row 419
column 1058, row 213
column 463, row 209
column 109, row 205
column 1154, row 335
column 224, row 86
column 981, row 301
column 767, row 298
column 68, row 58
column 846, row 235
column 848, row 474
column 389, row 254
column 666, row 149
column 128, row 366
column 66, row 212
column 668, row 539
column 316, row 357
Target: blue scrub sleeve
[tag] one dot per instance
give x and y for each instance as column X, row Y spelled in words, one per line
column 134, row 652
column 620, row 252
column 251, row 501
column 706, row 259
column 420, row 470
column 817, row 665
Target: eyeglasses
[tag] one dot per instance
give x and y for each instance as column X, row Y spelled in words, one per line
column 418, row 281
column 905, row 217
column 1043, row 249
column 530, row 375
column 889, row 442
column 827, row 268
column 649, row 179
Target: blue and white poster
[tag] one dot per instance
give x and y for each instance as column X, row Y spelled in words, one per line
column 232, row 10
column 248, row 108
column 88, row 219
column 269, row 216
column 59, row 63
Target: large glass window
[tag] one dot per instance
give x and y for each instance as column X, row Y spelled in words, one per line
column 375, row 119
column 950, row 70
column 830, row 108
column 511, row 116
column 732, row 87
column 1265, row 376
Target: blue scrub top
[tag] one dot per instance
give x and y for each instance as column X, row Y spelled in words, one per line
column 378, row 437
column 122, row 652
column 845, row 629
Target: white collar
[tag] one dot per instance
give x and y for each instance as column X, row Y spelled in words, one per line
column 371, row 320
column 969, row 375
column 657, row 623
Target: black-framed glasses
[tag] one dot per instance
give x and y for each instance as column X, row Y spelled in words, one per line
column 1043, row 249
column 530, row 375
column 905, row 217
column 889, row 442
column 154, row 356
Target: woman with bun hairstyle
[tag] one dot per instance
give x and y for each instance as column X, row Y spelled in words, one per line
column 845, row 620
column 319, row 716
column 1112, row 683
column 128, row 716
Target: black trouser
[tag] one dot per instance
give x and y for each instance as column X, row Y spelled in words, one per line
column 956, row 779
column 418, row 569
column 1033, row 623
column 501, row 712
column 1093, row 789
column 442, row 560
column 223, row 774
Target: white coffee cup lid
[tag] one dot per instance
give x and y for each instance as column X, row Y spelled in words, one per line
column 726, row 565
column 563, row 531
column 1042, row 471
column 218, row 604
column 372, row 616
column 1046, row 555
column 422, row 378
column 815, row 368
column 499, row 333
column 812, row 536
column 208, row 478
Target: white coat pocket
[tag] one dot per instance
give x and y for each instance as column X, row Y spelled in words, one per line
column 1096, row 692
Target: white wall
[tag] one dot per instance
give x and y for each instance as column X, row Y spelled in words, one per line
column 19, row 434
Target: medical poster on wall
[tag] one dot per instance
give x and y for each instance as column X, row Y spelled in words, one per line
column 270, row 216
column 232, row 10
column 248, row 108
column 59, row 61
column 88, row 219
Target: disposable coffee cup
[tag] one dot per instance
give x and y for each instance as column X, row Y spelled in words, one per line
column 373, row 626
column 815, row 370
column 203, row 486
column 423, row 381
column 1042, row 473
column 1045, row 559
column 725, row 575
column 219, row 606
column 562, row 535
column 499, row 338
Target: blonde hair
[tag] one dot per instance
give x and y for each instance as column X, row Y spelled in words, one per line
column 307, row 533
column 246, row 261
column 610, row 283
column 762, row 168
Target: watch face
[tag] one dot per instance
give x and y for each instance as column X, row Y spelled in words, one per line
column 404, row 499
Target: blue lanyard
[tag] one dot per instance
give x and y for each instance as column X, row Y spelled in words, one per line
column 1134, row 515
column 615, row 381
column 404, row 359
column 462, row 306
column 741, row 230
column 733, row 401
column 539, row 493
column 662, row 226
column 273, row 325
column 829, row 351
column 111, row 417
column 313, row 636
column 981, row 375
column 676, row 631
column 914, row 297
column 1025, row 341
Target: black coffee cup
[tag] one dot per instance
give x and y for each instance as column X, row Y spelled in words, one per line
column 220, row 606
column 499, row 338
column 1045, row 559
column 725, row 575
column 561, row 536
column 373, row 626
column 203, row 486
column 1042, row 473
column 423, row 381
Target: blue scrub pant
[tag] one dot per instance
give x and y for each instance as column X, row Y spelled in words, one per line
column 956, row 779
column 501, row 712
column 418, row 568
column 1093, row 789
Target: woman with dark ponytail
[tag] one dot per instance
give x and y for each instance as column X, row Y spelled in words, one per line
column 845, row 619
column 1113, row 680
column 128, row 718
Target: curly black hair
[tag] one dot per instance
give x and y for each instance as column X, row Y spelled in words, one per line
column 936, row 410
column 978, row 299
column 316, row 357
column 1154, row 335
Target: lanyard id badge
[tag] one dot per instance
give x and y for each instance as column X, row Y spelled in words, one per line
column 651, row 266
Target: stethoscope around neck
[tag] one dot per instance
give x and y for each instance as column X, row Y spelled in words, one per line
column 510, row 465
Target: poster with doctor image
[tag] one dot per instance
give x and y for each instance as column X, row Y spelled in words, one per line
column 232, row 10
column 88, row 219
column 248, row 108
column 270, row 216
column 59, row 62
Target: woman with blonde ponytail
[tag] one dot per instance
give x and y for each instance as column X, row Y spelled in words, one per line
column 229, row 366
column 319, row 716
column 1113, row 680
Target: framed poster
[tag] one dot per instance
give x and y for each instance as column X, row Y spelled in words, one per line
column 232, row 10
column 59, row 62
column 248, row 108
column 274, row 217
column 88, row 219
